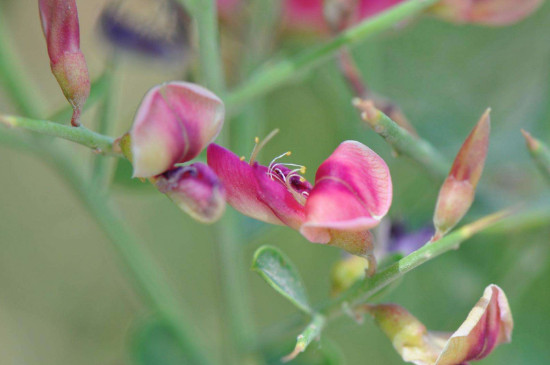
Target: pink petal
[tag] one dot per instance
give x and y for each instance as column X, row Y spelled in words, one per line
column 195, row 189
column 173, row 124
column 487, row 325
column 279, row 199
column 352, row 192
column 369, row 8
column 239, row 180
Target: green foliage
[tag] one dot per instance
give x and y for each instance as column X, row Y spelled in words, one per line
column 281, row 274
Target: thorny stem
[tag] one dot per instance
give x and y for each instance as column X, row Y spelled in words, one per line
column 273, row 76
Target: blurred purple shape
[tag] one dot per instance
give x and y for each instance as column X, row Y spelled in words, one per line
column 153, row 28
column 405, row 241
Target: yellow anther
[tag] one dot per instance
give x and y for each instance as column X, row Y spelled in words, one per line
column 257, row 140
column 242, row 158
column 302, row 170
column 302, row 179
column 288, row 153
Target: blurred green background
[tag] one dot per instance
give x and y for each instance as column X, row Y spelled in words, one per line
column 65, row 298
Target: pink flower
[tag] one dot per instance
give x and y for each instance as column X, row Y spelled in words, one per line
column 60, row 25
column 488, row 324
column 195, row 189
column 352, row 192
column 173, row 124
column 485, row 12
column 308, row 15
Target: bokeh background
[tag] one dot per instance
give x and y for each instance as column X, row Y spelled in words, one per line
column 65, row 298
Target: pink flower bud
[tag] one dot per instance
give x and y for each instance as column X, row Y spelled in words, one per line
column 195, row 189
column 485, row 12
column 488, row 324
column 173, row 124
column 60, row 25
column 458, row 191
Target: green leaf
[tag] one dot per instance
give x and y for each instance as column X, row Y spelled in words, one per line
column 154, row 344
column 279, row 272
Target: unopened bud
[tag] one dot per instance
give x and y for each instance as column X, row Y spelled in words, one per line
column 173, row 124
column 458, row 191
column 485, row 12
column 346, row 272
column 196, row 189
column 61, row 29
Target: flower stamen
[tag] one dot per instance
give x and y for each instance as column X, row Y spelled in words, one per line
column 258, row 145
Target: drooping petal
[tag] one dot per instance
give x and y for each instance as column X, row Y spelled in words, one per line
column 239, row 180
column 488, row 324
column 353, row 191
column 61, row 29
column 485, row 12
column 174, row 123
column 195, row 189
column 458, row 191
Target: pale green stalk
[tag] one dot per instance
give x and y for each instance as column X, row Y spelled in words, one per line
column 273, row 76
column 103, row 168
column 81, row 135
column 402, row 141
column 364, row 290
column 13, row 80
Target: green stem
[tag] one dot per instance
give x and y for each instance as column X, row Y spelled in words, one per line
column 81, row 135
column 308, row 335
column 104, row 167
column 235, row 297
column 283, row 71
column 402, row 141
column 205, row 14
column 147, row 276
column 363, row 291
column 14, row 80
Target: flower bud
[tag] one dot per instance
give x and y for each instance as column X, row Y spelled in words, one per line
column 458, row 191
column 173, row 124
column 346, row 272
column 60, row 25
column 196, row 189
column 485, row 12
column 488, row 324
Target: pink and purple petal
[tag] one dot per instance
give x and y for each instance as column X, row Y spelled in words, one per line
column 353, row 192
column 241, row 186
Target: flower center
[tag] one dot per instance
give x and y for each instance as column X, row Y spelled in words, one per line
column 288, row 174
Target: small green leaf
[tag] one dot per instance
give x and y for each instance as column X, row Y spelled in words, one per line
column 281, row 274
column 154, row 344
